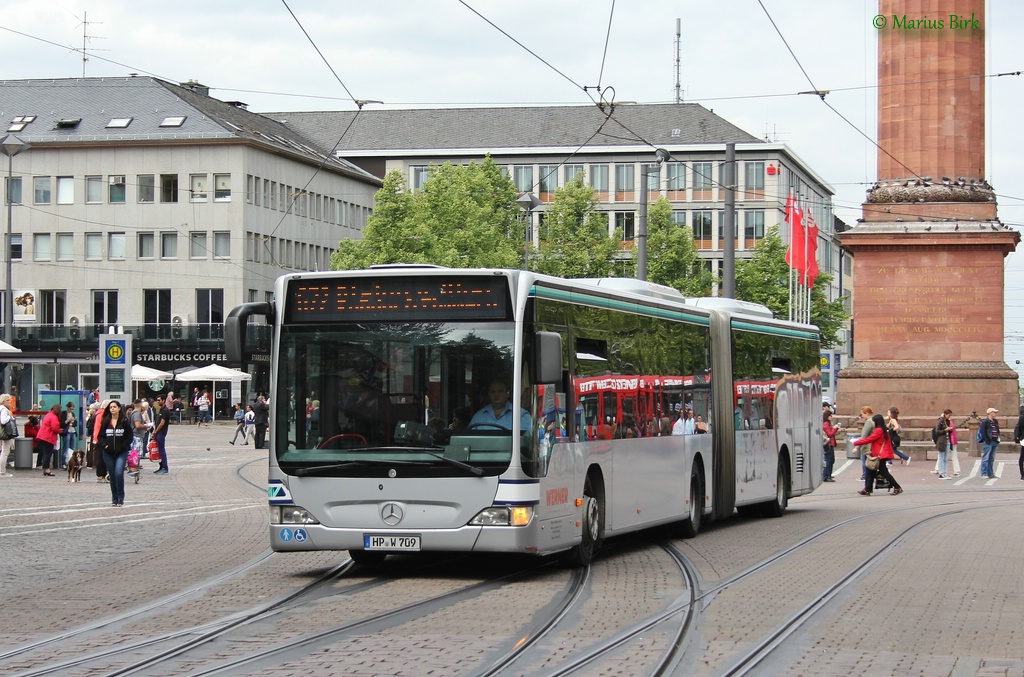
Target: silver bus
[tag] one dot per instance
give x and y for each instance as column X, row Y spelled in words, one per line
column 419, row 408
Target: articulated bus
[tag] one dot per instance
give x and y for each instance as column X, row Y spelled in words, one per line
column 390, row 430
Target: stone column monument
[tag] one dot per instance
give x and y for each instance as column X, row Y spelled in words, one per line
column 928, row 251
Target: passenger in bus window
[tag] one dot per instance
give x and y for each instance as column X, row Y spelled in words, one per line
column 460, row 418
column 666, row 426
column 700, row 427
column 499, row 411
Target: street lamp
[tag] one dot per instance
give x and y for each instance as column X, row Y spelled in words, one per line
column 641, row 231
column 10, row 146
column 528, row 201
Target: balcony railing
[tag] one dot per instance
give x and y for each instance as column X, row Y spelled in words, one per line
column 149, row 338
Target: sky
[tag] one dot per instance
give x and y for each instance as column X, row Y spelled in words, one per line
column 280, row 55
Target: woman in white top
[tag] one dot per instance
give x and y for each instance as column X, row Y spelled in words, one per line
column 5, row 445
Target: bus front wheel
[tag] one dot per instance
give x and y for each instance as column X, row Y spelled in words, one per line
column 583, row 553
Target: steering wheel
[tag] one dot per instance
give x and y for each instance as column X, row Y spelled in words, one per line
column 476, row 426
column 349, row 437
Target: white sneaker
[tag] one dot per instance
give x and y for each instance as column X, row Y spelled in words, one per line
column 6, row 474
column 945, row 477
column 907, row 461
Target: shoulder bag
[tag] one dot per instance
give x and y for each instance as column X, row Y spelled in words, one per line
column 871, row 462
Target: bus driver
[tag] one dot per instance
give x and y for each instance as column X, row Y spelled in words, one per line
column 499, row 412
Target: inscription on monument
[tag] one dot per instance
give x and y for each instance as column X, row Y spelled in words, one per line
column 924, row 302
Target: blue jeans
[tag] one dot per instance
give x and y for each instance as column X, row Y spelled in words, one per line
column 161, row 439
column 943, row 463
column 830, row 461
column 988, row 456
column 115, row 469
column 899, row 453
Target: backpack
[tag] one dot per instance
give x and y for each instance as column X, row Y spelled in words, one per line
column 935, row 434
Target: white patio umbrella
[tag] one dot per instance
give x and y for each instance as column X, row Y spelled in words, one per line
column 214, row 373
column 141, row 373
column 6, row 347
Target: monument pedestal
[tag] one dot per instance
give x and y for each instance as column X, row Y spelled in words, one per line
column 928, row 317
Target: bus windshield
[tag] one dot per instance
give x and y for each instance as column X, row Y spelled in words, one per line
column 365, row 396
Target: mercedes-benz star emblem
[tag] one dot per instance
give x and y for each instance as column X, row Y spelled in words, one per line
column 391, row 513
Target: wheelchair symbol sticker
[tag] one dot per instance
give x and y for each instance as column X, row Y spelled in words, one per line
column 299, row 535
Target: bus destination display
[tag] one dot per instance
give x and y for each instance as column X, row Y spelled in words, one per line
column 395, row 299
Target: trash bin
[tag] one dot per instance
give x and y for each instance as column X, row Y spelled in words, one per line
column 23, row 459
column 851, row 451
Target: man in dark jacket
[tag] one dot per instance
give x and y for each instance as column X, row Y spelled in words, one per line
column 262, row 411
column 988, row 435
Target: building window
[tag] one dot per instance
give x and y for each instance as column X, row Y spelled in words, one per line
column 13, row 189
column 168, row 245
column 146, row 245
column 753, row 225
column 548, row 182
column 702, row 233
column 65, row 190
column 248, row 188
column 93, row 246
column 222, row 245
column 419, row 177
column 653, row 174
column 626, row 221
column 599, row 181
column 116, row 189
column 119, row 123
column 222, row 189
column 625, row 183
column 754, row 181
column 104, row 307
column 156, row 306
column 116, row 246
column 65, row 246
column 197, row 188
column 41, row 190
column 93, row 190
column 147, row 188
column 676, row 181
column 273, row 191
column 702, row 180
column 570, row 172
column 41, row 247
column 16, row 246
column 522, row 176
column 168, row 188
column 197, row 245
column 678, row 217
column 209, row 312
column 52, row 306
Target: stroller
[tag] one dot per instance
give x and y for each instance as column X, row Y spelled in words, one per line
column 134, row 469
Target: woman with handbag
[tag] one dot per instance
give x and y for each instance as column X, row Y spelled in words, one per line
column 7, row 443
column 829, row 444
column 876, row 460
column 115, row 439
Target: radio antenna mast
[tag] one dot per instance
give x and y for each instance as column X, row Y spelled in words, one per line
column 679, row 41
column 85, row 23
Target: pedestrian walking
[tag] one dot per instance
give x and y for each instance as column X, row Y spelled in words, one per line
column 6, row 415
column 49, row 439
column 940, row 436
column 881, row 448
column 261, row 410
column 203, row 405
column 1018, row 439
column 866, row 415
column 249, row 419
column 988, row 434
column 239, row 417
column 140, row 424
column 94, row 432
column 829, row 446
column 896, row 434
column 115, row 440
column 953, row 461
column 69, row 422
column 163, row 423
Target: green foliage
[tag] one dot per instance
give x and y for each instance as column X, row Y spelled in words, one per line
column 672, row 253
column 764, row 279
column 463, row 217
column 574, row 235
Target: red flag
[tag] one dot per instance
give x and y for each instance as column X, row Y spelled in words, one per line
column 811, row 269
column 795, row 256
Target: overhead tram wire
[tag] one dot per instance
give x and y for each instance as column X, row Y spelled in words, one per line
column 607, row 37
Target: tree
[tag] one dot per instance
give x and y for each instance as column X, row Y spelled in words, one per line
column 463, row 217
column 672, row 255
column 764, row 279
column 575, row 241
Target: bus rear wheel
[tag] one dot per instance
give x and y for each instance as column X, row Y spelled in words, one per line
column 777, row 507
column 690, row 526
column 583, row 554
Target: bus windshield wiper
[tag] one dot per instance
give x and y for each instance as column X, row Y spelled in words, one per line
column 458, row 464
column 316, row 469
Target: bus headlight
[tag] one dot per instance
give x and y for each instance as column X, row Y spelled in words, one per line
column 503, row 516
column 291, row 514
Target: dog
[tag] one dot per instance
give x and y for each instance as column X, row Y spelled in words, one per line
column 75, row 464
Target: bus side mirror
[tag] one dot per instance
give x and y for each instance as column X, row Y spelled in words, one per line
column 547, row 366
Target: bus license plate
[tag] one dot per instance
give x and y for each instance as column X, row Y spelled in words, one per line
column 372, row 542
